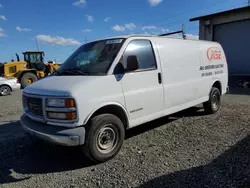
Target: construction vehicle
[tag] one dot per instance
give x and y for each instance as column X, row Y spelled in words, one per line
column 30, row 69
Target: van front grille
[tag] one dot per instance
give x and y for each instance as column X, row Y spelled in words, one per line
column 35, row 106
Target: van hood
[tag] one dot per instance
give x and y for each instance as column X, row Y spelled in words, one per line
column 59, row 85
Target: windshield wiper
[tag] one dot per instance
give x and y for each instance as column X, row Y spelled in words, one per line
column 72, row 72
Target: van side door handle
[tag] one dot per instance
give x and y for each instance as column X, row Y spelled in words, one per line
column 159, row 78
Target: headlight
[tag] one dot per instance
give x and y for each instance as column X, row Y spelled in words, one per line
column 62, row 116
column 61, row 109
column 68, row 103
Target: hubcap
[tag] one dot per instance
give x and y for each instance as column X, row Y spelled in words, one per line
column 5, row 90
column 107, row 139
column 29, row 81
column 215, row 101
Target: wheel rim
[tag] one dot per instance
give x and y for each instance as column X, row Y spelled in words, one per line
column 29, row 81
column 216, row 101
column 5, row 90
column 106, row 139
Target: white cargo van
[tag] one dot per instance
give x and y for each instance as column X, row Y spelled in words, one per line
column 110, row 85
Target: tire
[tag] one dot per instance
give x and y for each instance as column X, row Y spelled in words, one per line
column 27, row 79
column 5, row 90
column 104, row 138
column 213, row 105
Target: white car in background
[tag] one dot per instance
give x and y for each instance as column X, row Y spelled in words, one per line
column 8, row 85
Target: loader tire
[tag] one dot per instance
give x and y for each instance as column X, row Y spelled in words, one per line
column 27, row 79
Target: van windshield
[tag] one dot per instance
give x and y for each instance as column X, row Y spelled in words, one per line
column 94, row 58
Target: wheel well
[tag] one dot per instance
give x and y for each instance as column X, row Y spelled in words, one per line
column 6, row 85
column 217, row 85
column 115, row 110
column 24, row 72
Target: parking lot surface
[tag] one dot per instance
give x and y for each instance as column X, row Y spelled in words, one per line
column 187, row 149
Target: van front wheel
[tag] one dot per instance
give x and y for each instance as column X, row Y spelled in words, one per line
column 213, row 105
column 104, row 137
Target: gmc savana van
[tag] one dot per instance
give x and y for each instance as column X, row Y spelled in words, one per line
column 114, row 84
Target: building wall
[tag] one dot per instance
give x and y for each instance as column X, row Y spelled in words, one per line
column 207, row 33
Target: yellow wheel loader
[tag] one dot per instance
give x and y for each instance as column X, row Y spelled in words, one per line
column 29, row 70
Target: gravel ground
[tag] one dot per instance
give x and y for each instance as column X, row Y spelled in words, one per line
column 12, row 104
column 188, row 149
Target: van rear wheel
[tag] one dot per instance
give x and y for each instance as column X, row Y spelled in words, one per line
column 213, row 105
column 104, row 137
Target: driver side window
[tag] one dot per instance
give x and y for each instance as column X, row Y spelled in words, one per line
column 142, row 49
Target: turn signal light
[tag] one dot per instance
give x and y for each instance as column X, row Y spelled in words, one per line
column 62, row 116
column 69, row 103
column 71, row 115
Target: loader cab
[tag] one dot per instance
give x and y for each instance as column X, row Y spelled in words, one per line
column 35, row 60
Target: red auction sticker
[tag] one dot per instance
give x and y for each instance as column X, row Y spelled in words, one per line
column 214, row 53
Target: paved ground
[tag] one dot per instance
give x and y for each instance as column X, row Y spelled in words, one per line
column 188, row 149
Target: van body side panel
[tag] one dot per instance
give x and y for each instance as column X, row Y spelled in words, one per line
column 180, row 71
column 213, row 68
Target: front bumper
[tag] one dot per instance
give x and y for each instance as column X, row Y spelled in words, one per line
column 54, row 134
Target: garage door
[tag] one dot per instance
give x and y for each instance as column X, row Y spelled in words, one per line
column 235, row 39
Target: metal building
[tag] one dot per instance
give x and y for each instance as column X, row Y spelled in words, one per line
column 232, row 30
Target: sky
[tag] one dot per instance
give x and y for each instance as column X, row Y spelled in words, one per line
column 60, row 27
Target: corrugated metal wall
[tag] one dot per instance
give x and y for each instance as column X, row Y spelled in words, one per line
column 235, row 39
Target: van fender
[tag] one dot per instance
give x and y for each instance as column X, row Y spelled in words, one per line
column 103, row 105
column 213, row 82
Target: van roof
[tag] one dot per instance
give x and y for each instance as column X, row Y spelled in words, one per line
column 128, row 36
column 155, row 36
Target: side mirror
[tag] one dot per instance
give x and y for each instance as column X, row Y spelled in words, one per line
column 119, row 69
column 132, row 63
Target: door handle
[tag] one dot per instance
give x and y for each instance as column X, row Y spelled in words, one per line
column 159, row 78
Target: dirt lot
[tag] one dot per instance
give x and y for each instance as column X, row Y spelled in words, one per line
column 188, row 149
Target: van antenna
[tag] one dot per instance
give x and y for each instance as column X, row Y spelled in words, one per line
column 182, row 31
column 37, row 44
